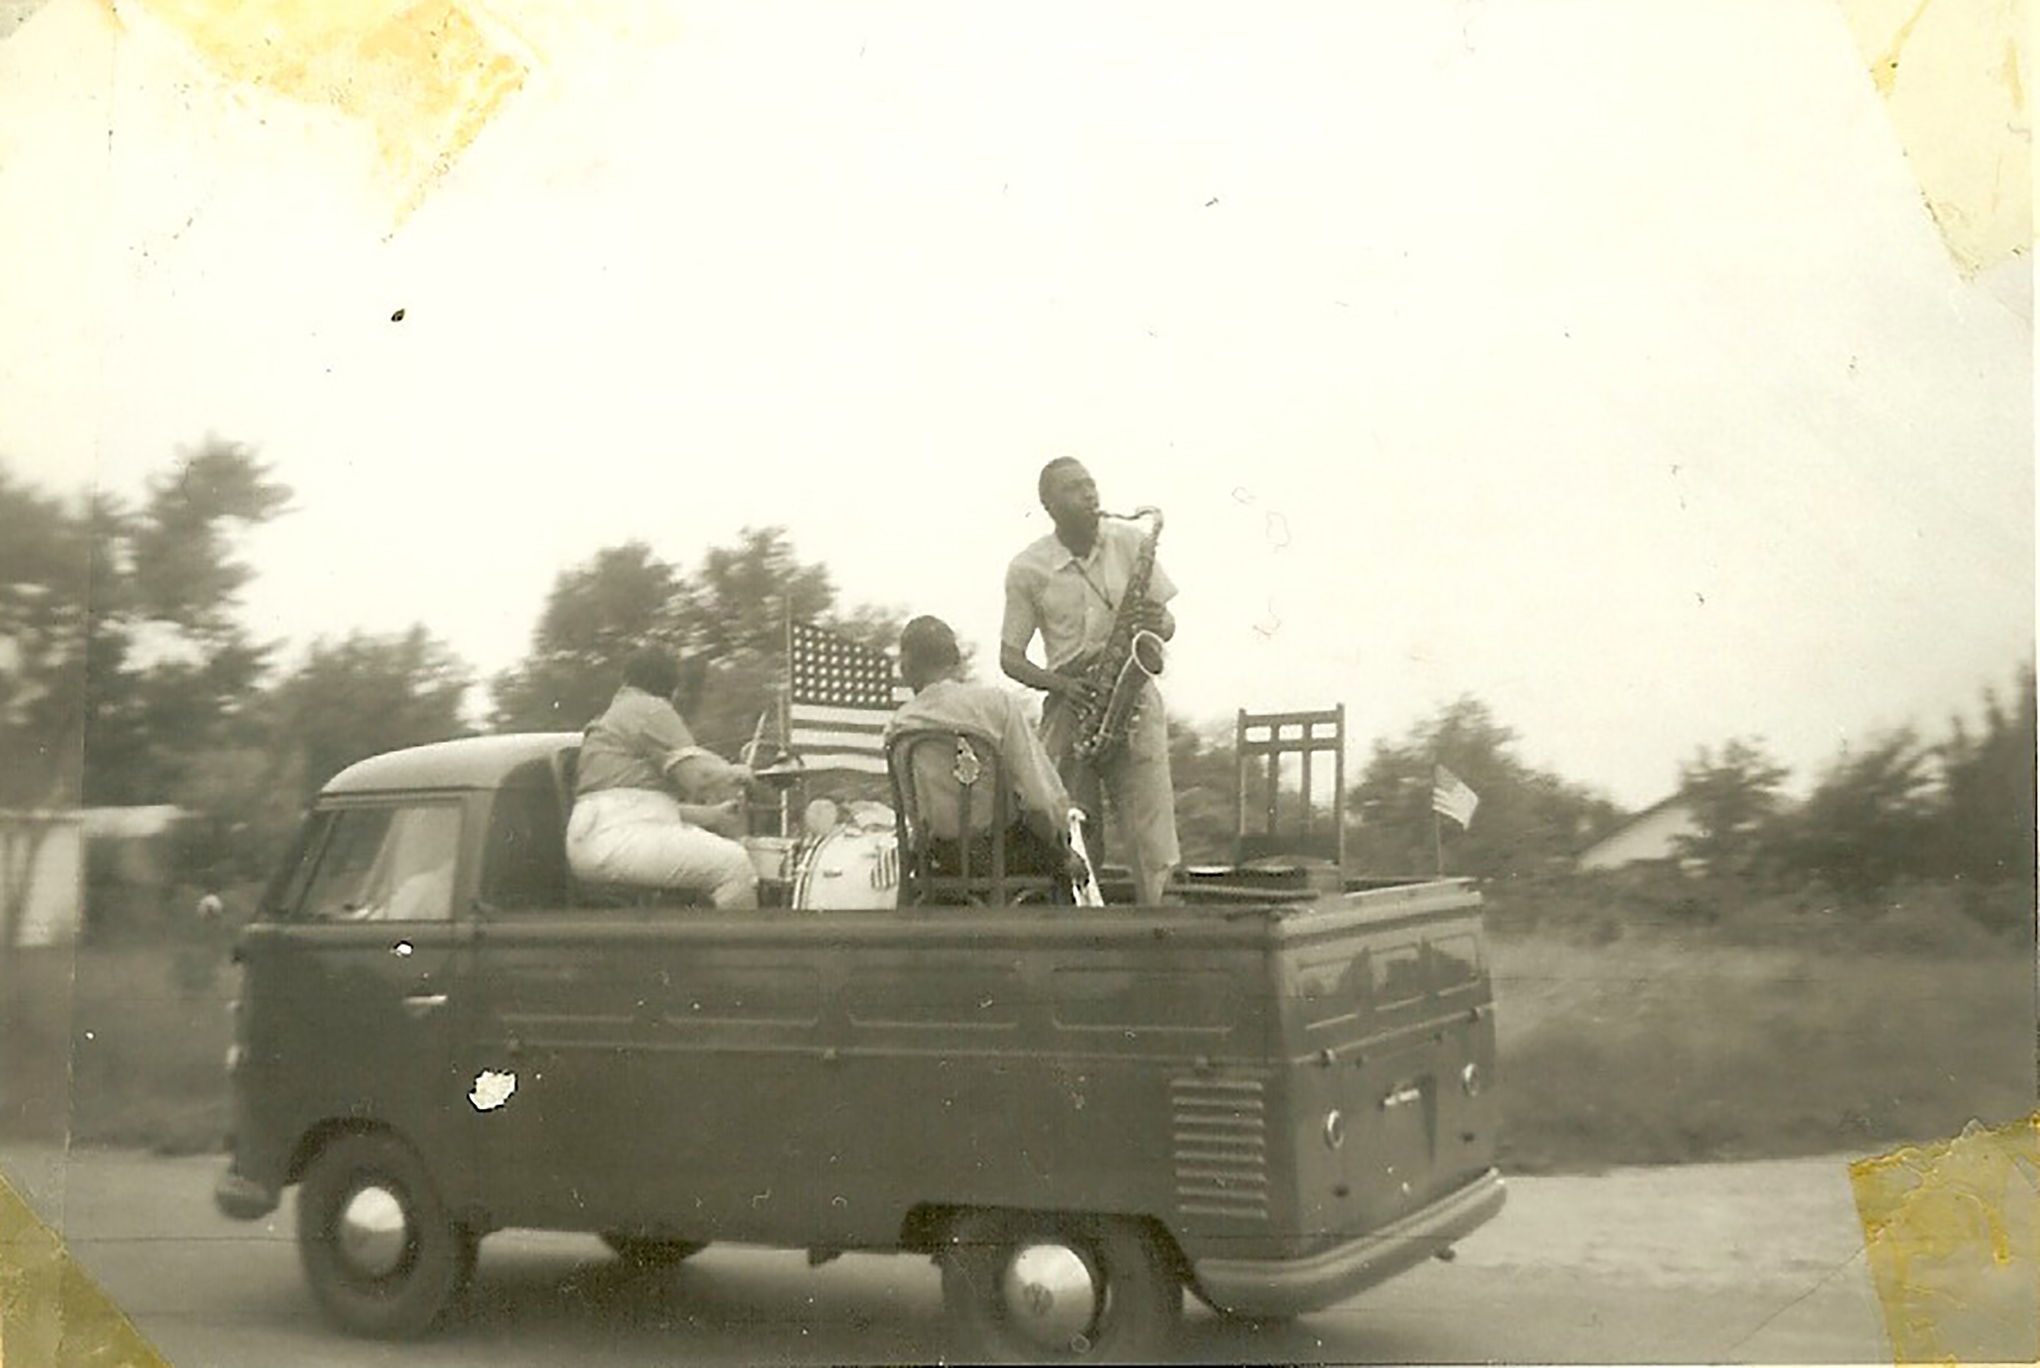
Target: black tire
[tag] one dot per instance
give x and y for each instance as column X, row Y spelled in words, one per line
column 649, row 1251
column 1132, row 1316
column 419, row 1272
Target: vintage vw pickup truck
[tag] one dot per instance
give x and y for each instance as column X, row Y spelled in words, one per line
column 1272, row 1101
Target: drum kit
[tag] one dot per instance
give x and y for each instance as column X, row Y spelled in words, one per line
column 849, row 861
column 845, row 859
column 854, row 865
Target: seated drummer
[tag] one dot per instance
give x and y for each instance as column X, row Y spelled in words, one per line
column 650, row 806
column 1037, row 842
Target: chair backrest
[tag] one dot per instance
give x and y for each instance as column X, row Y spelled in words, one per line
column 1262, row 739
column 983, row 804
column 929, row 764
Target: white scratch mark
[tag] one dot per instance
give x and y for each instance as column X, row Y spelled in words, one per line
column 492, row 1089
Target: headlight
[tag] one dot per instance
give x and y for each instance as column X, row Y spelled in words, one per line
column 1335, row 1129
column 1472, row 1079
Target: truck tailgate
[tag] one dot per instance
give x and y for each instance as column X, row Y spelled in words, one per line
column 1389, row 1030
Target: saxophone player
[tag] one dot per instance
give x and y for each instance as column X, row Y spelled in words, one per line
column 1068, row 587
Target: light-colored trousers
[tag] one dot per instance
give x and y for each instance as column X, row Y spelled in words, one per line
column 638, row 837
column 1137, row 782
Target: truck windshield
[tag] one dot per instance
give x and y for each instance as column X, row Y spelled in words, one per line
column 384, row 863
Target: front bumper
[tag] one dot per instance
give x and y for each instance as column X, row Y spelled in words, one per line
column 244, row 1199
column 1289, row 1287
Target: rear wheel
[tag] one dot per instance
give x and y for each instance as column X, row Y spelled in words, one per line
column 1028, row 1288
column 649, row 1251
column 381, row 1255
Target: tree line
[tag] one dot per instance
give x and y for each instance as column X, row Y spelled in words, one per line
column 1895, row 810
column 127, row 676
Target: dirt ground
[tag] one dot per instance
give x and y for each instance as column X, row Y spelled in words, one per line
column 1758, row 1263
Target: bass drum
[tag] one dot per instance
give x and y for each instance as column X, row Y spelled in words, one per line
column 850, row 869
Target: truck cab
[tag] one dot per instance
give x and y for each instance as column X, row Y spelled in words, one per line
column 1271, row 1098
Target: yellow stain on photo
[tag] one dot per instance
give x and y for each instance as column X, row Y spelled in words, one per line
column 50, row 1312
column 425, row 76
column 1950, row 74
column 1953, row 1236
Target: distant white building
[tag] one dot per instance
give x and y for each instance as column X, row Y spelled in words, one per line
column 132, row 840
column 1650, row 836
column 42, row 876
column 43, row 864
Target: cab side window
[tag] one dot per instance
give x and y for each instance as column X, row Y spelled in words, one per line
column 524, row 862
column 384, row 863
column 286, row 890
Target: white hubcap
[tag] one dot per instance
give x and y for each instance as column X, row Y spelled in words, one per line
column 1051, row 1296
column 373, row 1231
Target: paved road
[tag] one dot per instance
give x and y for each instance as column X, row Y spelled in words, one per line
column 1741, row 1262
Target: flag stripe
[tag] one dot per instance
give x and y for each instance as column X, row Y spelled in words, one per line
column 849, row 719
column 814, row 739
column 1447, row 806
column 862, row 762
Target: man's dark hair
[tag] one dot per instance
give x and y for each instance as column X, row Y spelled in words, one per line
column 929, row 641
column 1041, row 480
column 653, row 669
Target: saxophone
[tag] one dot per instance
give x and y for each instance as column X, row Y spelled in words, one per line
column 1131, row 657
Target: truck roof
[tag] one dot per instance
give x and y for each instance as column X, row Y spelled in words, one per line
column 474, row 762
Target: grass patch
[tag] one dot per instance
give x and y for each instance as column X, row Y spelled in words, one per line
column 145, row 1029
column 150, row 1033
column 1652, row 1050
column 35, row 1070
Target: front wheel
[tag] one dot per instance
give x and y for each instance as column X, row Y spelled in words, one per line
column 381, row 1255
column 1027, row 1288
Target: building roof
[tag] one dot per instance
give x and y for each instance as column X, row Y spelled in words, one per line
column 1676, row 808
column 476, row 762
column 1673, row 800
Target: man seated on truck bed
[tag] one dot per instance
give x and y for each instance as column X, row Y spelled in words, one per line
column 1037, row 842
column 628, row 825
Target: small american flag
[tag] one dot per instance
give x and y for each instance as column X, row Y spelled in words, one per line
column 1450, row 797
column 839, row 698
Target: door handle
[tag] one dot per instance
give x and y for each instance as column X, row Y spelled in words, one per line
column 418, row 1005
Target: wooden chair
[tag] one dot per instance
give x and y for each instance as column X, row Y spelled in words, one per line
column 972, row 758
column 1262, row 739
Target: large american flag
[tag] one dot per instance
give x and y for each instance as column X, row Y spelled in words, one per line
column 840, row 696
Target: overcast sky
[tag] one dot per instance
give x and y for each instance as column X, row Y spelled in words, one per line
column 1599, row 359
